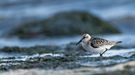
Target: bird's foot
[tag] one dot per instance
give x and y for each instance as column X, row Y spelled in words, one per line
column 101, row 55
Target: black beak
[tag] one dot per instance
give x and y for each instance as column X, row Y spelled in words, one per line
column 79, row 41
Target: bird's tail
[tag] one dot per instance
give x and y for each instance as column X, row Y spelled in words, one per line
column 118, row 42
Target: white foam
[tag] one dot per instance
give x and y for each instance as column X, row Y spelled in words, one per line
column 14, row 57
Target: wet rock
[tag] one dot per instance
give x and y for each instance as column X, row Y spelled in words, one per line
column 120, row 69
column 125, row 24
column 65, row 23
column 32, row 50
column 71, row 57
column 126, row 20
column 41, row 62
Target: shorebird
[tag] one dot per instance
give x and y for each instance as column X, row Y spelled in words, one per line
column 96, row 45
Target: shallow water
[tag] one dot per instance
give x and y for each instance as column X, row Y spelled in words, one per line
column 119, row 52
column 111, row 57
column 38, row 41
column 64, row 40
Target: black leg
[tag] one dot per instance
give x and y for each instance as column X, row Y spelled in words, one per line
column 103, row 53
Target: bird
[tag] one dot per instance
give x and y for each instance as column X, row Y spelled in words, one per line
column 96, row 45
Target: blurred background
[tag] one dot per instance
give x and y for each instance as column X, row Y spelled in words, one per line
column 26, row 24
column 48, row 18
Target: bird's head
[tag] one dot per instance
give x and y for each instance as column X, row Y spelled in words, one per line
column 85, row 38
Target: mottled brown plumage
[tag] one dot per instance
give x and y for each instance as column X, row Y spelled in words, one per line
column 97, row 42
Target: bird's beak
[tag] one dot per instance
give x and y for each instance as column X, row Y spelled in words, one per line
column 79, row 41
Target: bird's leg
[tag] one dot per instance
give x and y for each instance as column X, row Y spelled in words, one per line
column 103, row 53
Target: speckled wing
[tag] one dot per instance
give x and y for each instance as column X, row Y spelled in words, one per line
column 97, row 42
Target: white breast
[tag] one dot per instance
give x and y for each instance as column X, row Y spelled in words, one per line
column 95, row 50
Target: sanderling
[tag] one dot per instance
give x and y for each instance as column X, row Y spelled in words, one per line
column 96, row 45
